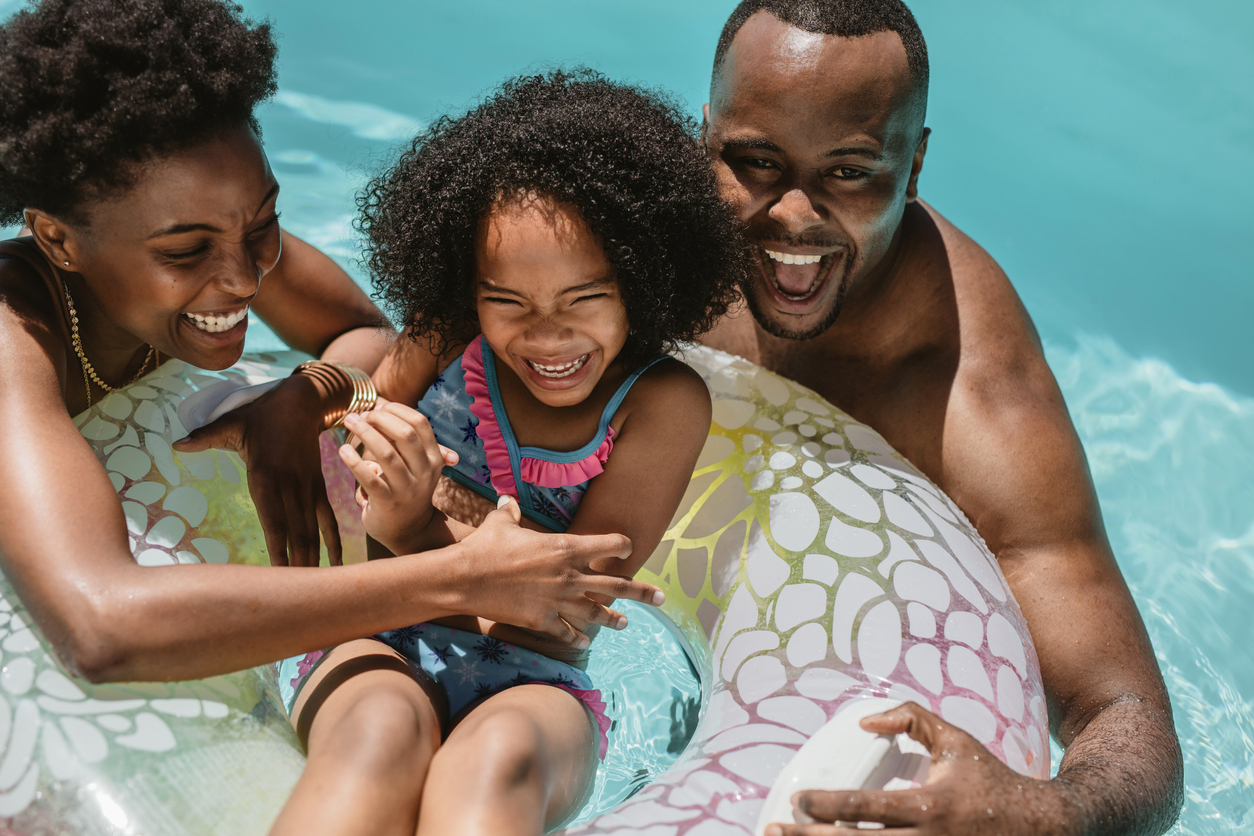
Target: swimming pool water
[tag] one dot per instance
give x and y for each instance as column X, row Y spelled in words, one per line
column 1102, row 152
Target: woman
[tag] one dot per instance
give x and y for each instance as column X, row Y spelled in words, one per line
column 129, row 148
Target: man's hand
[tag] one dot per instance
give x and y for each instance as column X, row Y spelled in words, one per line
column 968, row 791
column 277, row 437
column 397, row 474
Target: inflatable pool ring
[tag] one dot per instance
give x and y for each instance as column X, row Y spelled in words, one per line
column 812, row 573
column 818, row 577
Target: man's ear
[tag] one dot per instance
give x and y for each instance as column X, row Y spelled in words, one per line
column 705, row 121
column 53, row 236
column 916, row 166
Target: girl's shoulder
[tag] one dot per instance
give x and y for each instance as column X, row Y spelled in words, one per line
column 669, row 389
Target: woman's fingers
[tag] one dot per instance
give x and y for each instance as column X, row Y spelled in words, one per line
column 623, row 589
column 302, row 529
column 226, row 433
column 330, row 528
column 560, row 630
column 269, row 505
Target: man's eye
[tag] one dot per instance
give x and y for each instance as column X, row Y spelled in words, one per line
column 501, row 300
column 757, row 162
column 845, row 172
column 592, row 296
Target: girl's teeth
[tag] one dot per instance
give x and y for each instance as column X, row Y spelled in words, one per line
column 216, row 324
column 564, row 370
column 788, row 258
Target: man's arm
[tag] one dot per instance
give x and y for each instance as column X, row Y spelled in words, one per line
column 1012, row 460
column 1020, row 473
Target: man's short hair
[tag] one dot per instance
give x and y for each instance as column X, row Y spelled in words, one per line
column 845, row 18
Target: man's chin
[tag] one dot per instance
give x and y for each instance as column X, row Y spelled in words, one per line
column 792, row 326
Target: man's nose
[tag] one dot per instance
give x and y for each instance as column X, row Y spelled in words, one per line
column 795, row 212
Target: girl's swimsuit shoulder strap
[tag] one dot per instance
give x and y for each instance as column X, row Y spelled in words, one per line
column 616, row 401
column 24, row 249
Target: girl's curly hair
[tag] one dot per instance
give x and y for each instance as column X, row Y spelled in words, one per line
column 625, row 158
column 89, row 88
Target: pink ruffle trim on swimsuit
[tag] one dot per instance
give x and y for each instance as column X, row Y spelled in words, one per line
column 494, row 446
column 592, row 699
column 564, row 474
column 544, row 474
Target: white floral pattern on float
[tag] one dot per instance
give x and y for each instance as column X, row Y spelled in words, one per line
column 809, row 566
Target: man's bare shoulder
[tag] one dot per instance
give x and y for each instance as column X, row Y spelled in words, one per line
column 1012, row 459
column 998, row 341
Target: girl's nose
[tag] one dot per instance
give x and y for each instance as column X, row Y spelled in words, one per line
column 543, row 330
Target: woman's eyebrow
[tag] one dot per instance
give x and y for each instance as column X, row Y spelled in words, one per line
column 175, row 229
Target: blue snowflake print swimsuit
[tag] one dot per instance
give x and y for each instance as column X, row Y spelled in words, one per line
column 465, row 410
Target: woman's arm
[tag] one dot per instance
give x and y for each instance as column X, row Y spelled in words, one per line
column 314, row 307
column 666, row 422
column 64, row 547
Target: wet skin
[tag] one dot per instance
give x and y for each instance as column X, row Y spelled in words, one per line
column 912, row 328
column 63, row 538
column 522, row 759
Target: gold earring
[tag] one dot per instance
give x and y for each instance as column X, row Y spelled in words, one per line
column 67, row 264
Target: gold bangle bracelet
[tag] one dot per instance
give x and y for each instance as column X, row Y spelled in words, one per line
column 336, row 378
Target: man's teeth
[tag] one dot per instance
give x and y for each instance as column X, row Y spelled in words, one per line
column 216, row 323
column 563, row 370
column 788, row 258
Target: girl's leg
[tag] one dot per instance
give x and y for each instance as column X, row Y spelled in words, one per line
column 371, row 723
column 519, row 762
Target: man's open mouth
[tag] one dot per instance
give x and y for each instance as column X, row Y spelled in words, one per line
column 795, row 277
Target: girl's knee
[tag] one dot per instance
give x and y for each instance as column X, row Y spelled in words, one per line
column 506, row 748
column 380, row 726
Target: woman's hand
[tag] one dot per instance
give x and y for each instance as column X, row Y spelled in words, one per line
column 542, row 581
column 397, row 474
column 277, row 437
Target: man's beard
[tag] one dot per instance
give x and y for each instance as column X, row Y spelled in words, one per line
column 771, row 325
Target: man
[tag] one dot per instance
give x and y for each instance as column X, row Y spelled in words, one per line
column 815, row 127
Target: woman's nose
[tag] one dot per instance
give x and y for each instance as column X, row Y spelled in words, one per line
column 795, row 212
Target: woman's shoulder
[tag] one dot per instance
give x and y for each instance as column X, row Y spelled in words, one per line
column 24, row 290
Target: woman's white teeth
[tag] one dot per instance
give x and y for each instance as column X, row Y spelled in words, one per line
column 562, row 370
column 216, row 323
column 789, row 258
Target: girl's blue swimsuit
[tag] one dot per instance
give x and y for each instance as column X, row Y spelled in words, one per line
column 465, row 410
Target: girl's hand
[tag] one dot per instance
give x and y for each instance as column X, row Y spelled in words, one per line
column 541, row 581
column 277, row 437
column 397, row 474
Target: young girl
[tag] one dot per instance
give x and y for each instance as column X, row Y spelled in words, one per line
column 545, row 251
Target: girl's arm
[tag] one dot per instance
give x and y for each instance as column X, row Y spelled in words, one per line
column 666, row 422
column 314, row 307
column 64, row 548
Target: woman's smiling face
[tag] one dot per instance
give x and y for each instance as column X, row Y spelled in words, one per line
column 176, row 259
column 548, row 299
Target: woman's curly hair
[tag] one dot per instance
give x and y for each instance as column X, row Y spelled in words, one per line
column 625, row 158
column 89, row 88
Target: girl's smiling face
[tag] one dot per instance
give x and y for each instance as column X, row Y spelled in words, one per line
column 548, row 300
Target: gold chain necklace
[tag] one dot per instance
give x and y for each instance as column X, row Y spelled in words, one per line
column 89, row 371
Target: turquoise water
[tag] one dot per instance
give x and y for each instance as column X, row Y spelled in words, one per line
column 1102, row 152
